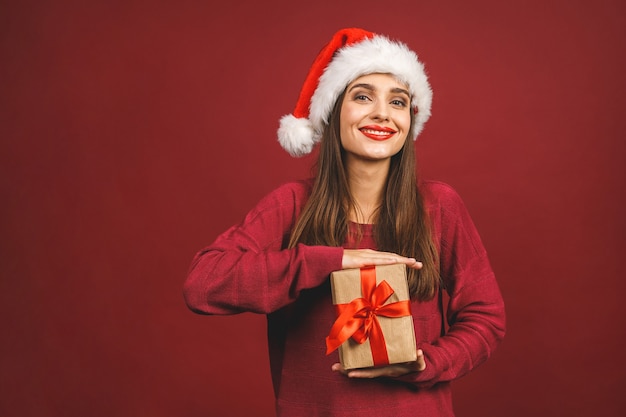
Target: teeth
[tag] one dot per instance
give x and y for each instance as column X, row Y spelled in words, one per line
column 375, row 132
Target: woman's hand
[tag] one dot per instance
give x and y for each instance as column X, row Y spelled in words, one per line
column 358, row 258
column 394, row 370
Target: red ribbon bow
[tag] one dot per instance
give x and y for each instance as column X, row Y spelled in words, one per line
column 358, row 319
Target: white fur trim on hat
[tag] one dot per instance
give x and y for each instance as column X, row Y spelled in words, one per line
column 296, row 135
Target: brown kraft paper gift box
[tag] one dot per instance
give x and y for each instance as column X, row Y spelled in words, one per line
column 398, row 332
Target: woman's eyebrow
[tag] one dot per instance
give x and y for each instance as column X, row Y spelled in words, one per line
column 399, row 90
column 363, row 85
column 370, row 87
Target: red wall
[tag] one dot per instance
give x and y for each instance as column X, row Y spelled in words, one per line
column 131, row 133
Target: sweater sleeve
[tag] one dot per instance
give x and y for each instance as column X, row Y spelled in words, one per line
column 475, row 314
column 247, row 268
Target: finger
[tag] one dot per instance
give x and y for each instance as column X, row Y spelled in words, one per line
column 421, row 361
column 336, row 367
column 387, row 258
column 394, row 258
column 363, row 373
column 415, row 265
column 378, row 258
column 397, row 259
column 358, row 373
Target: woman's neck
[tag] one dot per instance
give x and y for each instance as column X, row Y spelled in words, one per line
column 367, row 184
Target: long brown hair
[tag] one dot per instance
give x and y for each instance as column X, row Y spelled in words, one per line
column 401, row 224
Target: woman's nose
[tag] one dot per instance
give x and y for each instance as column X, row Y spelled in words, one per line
column 380, row 111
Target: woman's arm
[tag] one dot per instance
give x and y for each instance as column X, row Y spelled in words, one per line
column 476, row 313
column 247, row 267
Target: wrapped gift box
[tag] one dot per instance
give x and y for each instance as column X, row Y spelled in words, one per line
column 374, row 325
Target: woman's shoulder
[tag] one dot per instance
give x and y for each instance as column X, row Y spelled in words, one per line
column 438, row 192
column 289, row 196
column 296, row 190
column 441, row 197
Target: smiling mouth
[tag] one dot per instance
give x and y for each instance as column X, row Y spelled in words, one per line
column 378, row 133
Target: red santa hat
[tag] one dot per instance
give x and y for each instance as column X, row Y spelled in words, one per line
column 351, row 53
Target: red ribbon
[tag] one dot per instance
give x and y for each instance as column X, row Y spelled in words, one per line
column 358, row 319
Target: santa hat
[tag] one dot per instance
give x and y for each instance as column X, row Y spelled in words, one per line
column 350, row 54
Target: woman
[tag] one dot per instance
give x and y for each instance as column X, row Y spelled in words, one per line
column 365, row 99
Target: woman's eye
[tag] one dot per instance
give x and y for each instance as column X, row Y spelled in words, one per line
column 361, row 97
column 399, row 103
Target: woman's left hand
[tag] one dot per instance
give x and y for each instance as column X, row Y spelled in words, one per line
column 394, row 370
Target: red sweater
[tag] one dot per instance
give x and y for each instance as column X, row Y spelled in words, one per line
column 247, row 268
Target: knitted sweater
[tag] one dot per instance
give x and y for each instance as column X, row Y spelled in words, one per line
column 247, row 268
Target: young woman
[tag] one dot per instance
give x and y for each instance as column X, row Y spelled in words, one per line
column 365, row 100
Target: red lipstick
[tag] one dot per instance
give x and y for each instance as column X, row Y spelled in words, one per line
column 376, row 132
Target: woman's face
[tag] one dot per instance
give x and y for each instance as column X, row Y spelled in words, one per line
column 375, row 117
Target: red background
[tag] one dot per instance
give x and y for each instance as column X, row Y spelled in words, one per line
column 133, row 132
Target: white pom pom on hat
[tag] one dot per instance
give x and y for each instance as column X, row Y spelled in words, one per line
column 351, row 53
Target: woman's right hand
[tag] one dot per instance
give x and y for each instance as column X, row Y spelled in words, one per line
column 359, row 258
